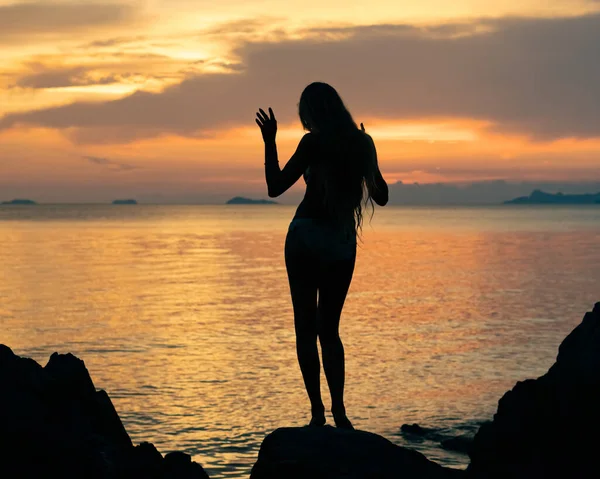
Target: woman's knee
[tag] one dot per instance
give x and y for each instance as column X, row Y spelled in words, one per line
column 306, row 333
column 329, row 335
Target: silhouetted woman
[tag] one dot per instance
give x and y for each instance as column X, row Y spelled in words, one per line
column 339, row 164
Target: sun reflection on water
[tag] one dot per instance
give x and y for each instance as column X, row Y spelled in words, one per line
column 183, row 315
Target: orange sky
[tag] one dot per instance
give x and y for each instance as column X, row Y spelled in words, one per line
column 156, row 98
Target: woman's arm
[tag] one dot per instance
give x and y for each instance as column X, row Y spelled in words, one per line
column 379, row 191
column 279, row 181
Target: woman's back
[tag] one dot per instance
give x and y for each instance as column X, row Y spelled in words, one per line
column 335, row 175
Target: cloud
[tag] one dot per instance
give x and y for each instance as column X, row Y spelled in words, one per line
column 248, row 26
column 50, row 71
column 525, row 168
column 442, row 31
column 115, row 42
column 110, row 164
column 64, row 77
column 20, row 20
column 530, row 76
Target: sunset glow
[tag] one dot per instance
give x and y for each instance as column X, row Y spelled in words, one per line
column 164, row 93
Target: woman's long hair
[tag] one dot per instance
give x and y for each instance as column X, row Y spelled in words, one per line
column 346, row 172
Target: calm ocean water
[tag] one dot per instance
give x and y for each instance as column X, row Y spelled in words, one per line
column 182, row 313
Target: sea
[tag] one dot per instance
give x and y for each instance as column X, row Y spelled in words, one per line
column 183, row 315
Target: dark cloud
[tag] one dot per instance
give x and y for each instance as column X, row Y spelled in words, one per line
column 430, row 32
column 115, row 42
column 539, row 77
column 111, row 164
column 524, row 168
column 117, row 67
column 64, row 77
column 29, row 19
column 242, row 26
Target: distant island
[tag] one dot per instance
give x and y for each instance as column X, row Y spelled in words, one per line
column 19, row 201
column 124, row 202
column 240, row 200
column 539, row 197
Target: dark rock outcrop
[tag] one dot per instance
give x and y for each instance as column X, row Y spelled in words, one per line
column 548, row 427
column 462, row 444
column 53, row 423
column 416, row 430
column 240, row 200
column 332, row 453
column 538, row 197
column 19, row 201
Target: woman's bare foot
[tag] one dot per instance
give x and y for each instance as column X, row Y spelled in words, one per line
column 317, row 421
column 318, row 416
column 341, row 420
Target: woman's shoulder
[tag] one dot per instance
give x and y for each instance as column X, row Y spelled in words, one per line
column 313, row 137
column 309, row 140
column 366, row 142
column 365, row 137
column 360, row 137
column 345, row 137
column 310, row 148
column 351, row 142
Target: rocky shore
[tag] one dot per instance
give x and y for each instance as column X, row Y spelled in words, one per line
column 54, row 423
column 548, row 427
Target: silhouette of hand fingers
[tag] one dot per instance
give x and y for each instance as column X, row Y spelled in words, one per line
column 267, row 124
column 261, row 118
column 263, row 115
column 362, row 127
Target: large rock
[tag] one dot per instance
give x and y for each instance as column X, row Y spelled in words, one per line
column 53, row 423
column 327, row 452
column 548, row 427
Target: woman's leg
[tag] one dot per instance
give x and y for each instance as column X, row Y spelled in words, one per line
column 334, row 282
column 303, row 287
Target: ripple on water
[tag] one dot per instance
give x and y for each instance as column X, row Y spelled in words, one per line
column 192, row 333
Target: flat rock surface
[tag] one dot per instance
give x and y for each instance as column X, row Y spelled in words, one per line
column 328, row 452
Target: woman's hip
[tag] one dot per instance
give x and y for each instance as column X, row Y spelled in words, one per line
column 320, row 240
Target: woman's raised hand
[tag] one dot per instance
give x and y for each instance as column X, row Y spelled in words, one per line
column 267, row 124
